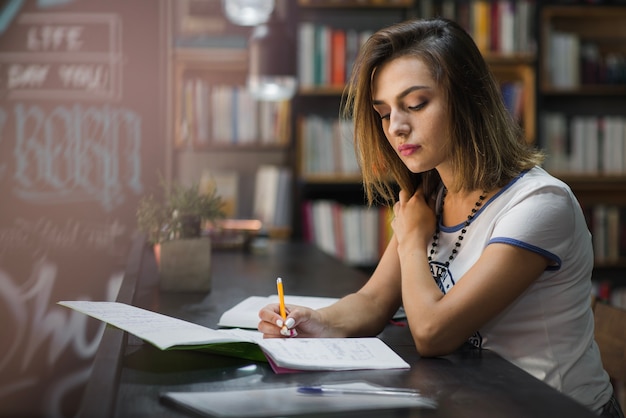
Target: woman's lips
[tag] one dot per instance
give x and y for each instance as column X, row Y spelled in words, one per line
column 407, row 149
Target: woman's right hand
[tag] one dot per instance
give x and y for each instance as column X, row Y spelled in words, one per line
column 414, row 221
column 301, row 322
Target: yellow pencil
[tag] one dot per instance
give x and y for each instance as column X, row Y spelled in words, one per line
column 281, row 298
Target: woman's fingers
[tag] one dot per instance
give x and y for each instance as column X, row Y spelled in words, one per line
column 272, row 324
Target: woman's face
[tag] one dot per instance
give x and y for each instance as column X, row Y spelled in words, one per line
column 413, row 112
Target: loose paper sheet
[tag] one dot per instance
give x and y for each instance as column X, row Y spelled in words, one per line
column 288, row 401
column 245, row 314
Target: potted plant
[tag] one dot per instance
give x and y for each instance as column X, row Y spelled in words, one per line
column 174, row 225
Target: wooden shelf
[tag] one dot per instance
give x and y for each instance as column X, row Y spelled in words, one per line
column 593, row 189
column 331, row 179
column 609, row 265
column 595, row 181
column 493, row 58
column 523, row 72
column 322, row 91
column 237, row 148
column 602, row 26
column 584, row 30
column 219, row 129
column 586, row 90
column 388, row 4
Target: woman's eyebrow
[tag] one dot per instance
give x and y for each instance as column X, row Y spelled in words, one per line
column 403, row 94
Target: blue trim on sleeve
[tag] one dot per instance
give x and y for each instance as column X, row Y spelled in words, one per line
column 458, row 227
column 529, row 247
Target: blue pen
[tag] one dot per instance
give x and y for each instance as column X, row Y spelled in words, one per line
column 324, row 390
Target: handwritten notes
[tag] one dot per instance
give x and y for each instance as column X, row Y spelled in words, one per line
column 162, row 331
column 285, row 355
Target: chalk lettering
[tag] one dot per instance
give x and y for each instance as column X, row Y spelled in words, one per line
column 68, row 235
column 84, row 76
column 54, row 38
column 31, row 75
column 3, row 118
column 35, row 319
column 77, row 154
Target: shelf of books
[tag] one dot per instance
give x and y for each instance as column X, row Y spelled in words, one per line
column 214, row 109
column 583, row 50
column 355, row 3
column 504, row 31
column 329, row 35
column 583, row 123
column 355, row 234
column 325, row 150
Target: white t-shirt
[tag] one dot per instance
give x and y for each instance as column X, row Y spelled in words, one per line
column 548, row 330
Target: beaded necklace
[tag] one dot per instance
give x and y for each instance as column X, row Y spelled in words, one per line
column 457, row 244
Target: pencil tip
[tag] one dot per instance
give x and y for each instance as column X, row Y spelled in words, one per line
column 279, row 280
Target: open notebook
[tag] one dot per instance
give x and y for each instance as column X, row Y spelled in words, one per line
column 284, row 355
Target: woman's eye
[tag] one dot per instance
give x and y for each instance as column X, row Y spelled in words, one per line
column 385, row 116
column 418, row 107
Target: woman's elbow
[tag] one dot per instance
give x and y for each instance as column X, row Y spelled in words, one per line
column 430, row 343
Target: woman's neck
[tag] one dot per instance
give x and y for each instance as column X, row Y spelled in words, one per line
column 458, row 205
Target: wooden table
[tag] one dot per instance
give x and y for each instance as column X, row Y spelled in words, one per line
column 128, row 375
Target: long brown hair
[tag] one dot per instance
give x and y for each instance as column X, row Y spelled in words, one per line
column 488, row 148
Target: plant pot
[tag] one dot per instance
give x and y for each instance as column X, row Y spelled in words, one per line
column 185, row 265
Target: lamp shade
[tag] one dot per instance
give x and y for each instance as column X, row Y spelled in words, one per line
column 248, row 12
column 272, row 74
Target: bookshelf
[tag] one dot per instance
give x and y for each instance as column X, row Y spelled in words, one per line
column 329, row 194
column 218, row 130
column 582, row 91
column 516, row 75
column 329, row 32
column 214, row 110
column 505, row 33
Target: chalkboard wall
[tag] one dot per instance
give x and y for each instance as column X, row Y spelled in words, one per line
column 82, row 136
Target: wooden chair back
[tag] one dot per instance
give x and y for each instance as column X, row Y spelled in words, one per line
column 610, row 333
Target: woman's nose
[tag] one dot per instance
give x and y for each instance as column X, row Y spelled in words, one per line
column 398, row 124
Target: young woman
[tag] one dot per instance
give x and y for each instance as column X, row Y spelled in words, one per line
column 487, row 246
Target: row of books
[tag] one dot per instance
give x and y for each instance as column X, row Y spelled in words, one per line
column 326, row 54
column 327, row 143
column 584, row 144
column 607, row 224
column 606, row 291
column 572, row 63
column 497, row 26
column 228, row 115
column 355, row 234
column 513, row 94
column 327, row 147
column 359, row 234
column 273, row 197
column 353, row 2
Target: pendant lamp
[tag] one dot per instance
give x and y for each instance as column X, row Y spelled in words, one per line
column 272, row 61
column 248, row 12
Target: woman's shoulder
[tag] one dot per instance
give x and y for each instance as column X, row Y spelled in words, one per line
column 535, row 183
column 537, row 178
